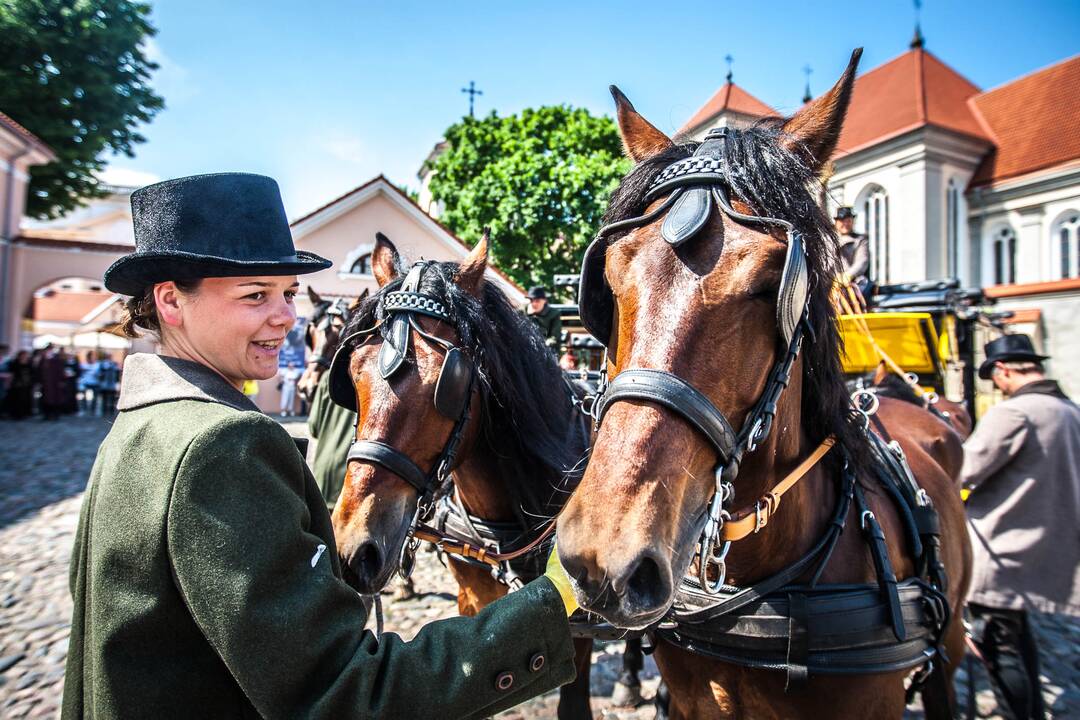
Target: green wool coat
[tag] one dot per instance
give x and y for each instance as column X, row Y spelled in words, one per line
column 333, row 428
column 549, row 322
column 206, row 583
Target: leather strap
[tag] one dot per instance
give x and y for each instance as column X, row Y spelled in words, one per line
column 379, row 453
column 426, row 533
column 751, row 520
column 675, row 394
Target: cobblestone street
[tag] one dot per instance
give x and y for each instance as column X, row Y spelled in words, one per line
column 43, row 471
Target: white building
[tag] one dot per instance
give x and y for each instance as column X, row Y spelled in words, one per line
column 948, row 180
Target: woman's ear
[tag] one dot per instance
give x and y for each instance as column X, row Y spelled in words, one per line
column 167, row 300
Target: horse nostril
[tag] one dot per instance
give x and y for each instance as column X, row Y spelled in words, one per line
column 646, row 586
column 367, row 563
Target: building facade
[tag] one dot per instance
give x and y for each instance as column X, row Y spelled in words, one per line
column 948, row 180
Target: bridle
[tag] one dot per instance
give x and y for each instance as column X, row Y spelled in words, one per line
column 453, row 393
column 323, row 321
column 695, row 184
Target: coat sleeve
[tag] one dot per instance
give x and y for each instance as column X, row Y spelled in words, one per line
column 860, row 258
column 290, row 631
column 996, row 441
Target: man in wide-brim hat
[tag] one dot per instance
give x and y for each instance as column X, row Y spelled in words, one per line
column 546, row 318
column 854, row 248
column 205, row 577
column 1022, row 467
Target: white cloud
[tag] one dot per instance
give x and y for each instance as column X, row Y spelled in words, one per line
column 347, row 148
column 171, row 80
column 126, row 177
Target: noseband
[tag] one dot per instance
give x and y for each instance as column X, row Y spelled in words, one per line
column 694, row 185
column 453, row 390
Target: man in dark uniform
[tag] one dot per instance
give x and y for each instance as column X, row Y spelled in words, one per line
column 854, row 249
column 546, row 318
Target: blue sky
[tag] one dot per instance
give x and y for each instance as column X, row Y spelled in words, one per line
column 323, row 95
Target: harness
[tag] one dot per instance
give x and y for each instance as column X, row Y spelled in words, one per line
column 776, row 623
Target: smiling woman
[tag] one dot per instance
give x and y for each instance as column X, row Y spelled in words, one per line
column 205, row 572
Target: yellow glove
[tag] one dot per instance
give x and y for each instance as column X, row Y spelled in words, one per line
column 965, row 493
column 556, row 573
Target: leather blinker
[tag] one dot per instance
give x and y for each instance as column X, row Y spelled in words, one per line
column 687, row 216
column 393, row 352
column 454, row 384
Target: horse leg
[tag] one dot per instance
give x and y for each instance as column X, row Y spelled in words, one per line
column 627, row 692
column 574, row 696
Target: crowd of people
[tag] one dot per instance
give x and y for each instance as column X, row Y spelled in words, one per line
column 52, row 381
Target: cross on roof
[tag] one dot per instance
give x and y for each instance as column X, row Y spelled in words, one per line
column 728, row 59
column 472, row 92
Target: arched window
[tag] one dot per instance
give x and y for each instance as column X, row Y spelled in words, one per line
column 1003, row 247
column 1065, row 245
column 874, row 212
column 362, row 265
column 952, row 230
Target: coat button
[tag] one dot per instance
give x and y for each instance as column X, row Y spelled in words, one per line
column 504, row 681
column 537, row 662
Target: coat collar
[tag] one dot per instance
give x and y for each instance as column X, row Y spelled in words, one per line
column 1042, row 387
column 151, row 379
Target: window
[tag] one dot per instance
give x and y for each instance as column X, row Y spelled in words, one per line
column 1066, row 235
column 875, row 225
column 362, row 265
column 1004, row 256
column 952, row 230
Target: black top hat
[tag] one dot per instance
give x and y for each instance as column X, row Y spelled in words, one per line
column 221, row 225
column 1005, row 348
column 537, row 292
column 844, row 212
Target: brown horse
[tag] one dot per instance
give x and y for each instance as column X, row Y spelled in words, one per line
column 520, row 449
column 706, row 312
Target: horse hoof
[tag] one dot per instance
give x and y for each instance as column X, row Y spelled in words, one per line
column 626, row 695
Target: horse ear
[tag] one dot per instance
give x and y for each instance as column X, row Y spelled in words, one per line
column 816, row 128
column 640, row 138
column 385, row 260
column 470, row 274
column 313, row 296
column 880, row 373
column 359, row 299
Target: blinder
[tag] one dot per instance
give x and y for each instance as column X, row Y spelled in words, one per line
column 454, row 385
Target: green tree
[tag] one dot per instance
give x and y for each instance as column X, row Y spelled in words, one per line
column 74, row 73
column 540, row 180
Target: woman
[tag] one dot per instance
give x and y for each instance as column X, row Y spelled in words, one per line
column 205, row 576
column 19, row 401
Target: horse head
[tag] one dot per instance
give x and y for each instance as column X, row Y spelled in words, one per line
column 321, row 336
column 691, row 277
column 407, row 415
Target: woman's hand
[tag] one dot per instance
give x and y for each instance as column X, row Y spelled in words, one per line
column 558, row 577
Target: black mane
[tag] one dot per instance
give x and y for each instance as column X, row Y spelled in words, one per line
column 778, row 181
column 528, row 421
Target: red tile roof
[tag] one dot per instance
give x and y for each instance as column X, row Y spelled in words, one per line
column 1035, row 122
column 732, row 98
column 908, row 92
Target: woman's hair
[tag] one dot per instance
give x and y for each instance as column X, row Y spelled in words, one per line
column 140, row 311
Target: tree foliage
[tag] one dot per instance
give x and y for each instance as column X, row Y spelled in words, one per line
column 540, row 180
column 75, row 73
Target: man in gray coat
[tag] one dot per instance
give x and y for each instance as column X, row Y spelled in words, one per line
column 1022, row 468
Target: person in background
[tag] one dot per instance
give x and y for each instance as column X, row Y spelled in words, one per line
column 19, row 402
column 545, row 317
column 70, row 405
column 854, row 250
column 289, row 377
column 52, row 383
column 1022, row 470
column 88, row 384
column 5, row 374
column 333, row 428
column 108, row 385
